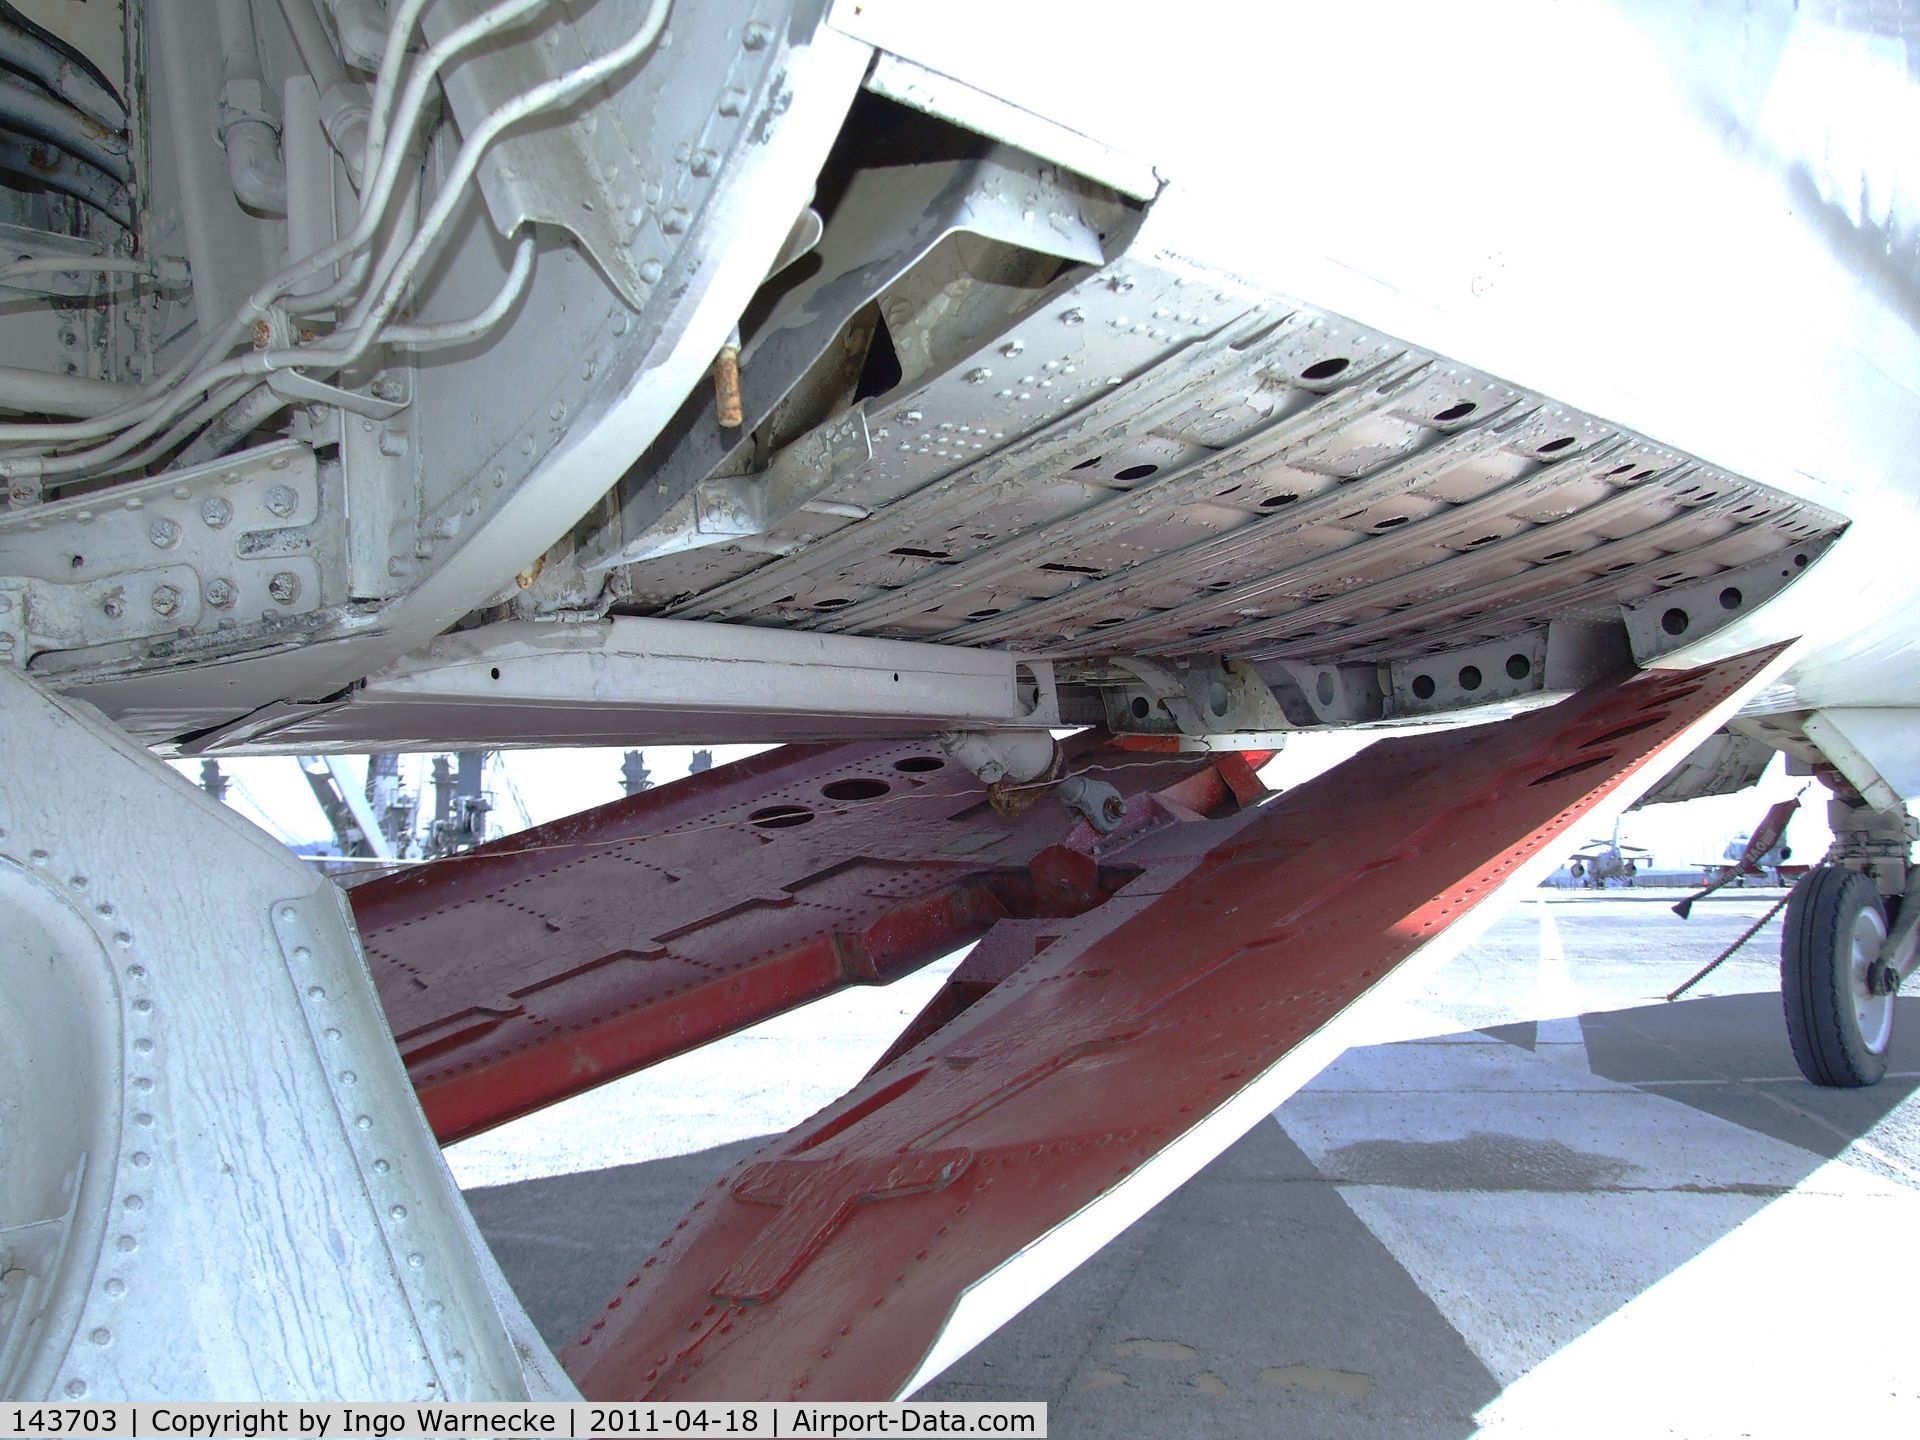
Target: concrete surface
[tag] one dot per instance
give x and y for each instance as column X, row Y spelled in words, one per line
column 1534, row 1199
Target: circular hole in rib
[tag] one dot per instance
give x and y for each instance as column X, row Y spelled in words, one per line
column 780, row 817
column 1518, row 667
column 1423, row 687
column 1325, row 369
column 1324, row 688
column 855, row 789
column 1553, row 447
column 919, row 764
column 1800, row 562
column 1469, row 677
column 1136, row 472
column 1730, row 598
column 494, row 672
column 1456, row 412
column 1674, row 622
column 1141, row 707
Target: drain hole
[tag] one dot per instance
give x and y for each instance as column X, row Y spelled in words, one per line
column 1574, row 769
column 919, row 764
column 780, row 817
column 1136, row 472
column 1555, row 445
column 1456, row 412
column 1275, row 501
column 1141, row 707
column 1325, row 369
column 855, row 789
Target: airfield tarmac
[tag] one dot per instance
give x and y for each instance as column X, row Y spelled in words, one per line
column 1532, row 1199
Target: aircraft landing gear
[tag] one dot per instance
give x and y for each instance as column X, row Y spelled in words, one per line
column 1841, row 963
column 1833, row 981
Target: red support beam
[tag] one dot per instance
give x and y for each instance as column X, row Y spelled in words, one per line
column 539, row 966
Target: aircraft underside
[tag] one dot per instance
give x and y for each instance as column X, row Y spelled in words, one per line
column 734, row 372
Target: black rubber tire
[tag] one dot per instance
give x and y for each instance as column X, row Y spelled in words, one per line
column 1816, row 953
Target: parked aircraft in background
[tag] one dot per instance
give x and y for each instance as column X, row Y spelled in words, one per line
column 1599, row 861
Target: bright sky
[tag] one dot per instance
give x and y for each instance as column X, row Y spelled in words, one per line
column 531, row 787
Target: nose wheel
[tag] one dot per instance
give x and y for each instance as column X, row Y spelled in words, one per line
column 1836, row 980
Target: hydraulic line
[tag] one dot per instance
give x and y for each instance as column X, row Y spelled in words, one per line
column 56, row 169
column 442, row 333
column 26, row 108
column 390, row 147
column 42, row 393
column 364, row 324
column 27, row 48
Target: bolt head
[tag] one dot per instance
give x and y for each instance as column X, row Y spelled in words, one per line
column 114, row 607
column 281, row 499
column 1073, row 317
column 284, row 587
column 219, row 593
column 215, row 511
column 164, row 533
column 979, row 375
column 166, row 600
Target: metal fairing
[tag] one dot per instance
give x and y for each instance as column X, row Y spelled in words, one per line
column 865, row 1250
column 214, row 1178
